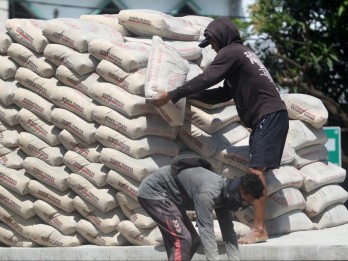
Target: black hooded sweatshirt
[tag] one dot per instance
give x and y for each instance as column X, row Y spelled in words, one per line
column 247, row 81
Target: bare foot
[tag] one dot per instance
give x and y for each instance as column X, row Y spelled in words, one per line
column 254, row 236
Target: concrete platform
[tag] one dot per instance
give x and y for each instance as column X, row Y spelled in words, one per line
column 326, row 244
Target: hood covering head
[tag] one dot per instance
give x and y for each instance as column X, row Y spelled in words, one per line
column 223, row 31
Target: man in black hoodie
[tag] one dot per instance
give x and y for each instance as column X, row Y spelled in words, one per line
column 259, row 106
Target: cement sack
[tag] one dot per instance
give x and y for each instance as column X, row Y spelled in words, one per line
column 57, row 218
column 144, row 22
column 140, row 148
column 283, row 177
column 120, row 100
column 96, row 173
column 17, row 223
column 56, row 177
column 288, row 155
column 81, row 63
column 110, row 20
column 46, row 235
column 134, row 212
column 4, row 126
column 9, row 138
column 13, row 159
column 207, row 57
column 76, row 33
column 319, row 199
column 74, row 101
column 318, row 174
column 5, row 39
column 166, row 71
column 231, row 172
column 8, row 114
column 105, row 222
column 36, row 83
column 21, row 205
column 211, row 121
column 208, row 145
column 132, row 82
column 310, row 154
column 33, row 102
column 27, row 32
column 5, row 150
column 15, row 180
column 123, row 183
column 129, row 56
column 69, row 121
column 7, row 88
column 103, row 199
column 31, row 60
column 302, row 134
column 35, row 147
column 333, row 216
column 13, row 239
column 199, row 22
column 93, row 235
column 137, row 169
column 89, row 151
column 135, row 127
column 140, row 236
column 82, row 83
column 188, row 50
column 306, row 108
column 40, row 128
column 55, row 197
column 8, row 68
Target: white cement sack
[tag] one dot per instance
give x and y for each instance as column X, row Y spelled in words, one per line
column 139, row 148
column 9, row 138
column 231, row 172
column 31, row 60
column 211, row 121
column 4, row 126
column 8, row 114
column 13, row 159
column 137, row 169
column 306, row 108
column 56, row 177
column 67, row 120
column 123, row 183
column 8, row 68
column 15, row 180
column 144, row 22
column 310, row 154
column 13, row 239
column 5, row 39
column 120, row 100
column 110, row 20
column 21, row 205
column 166, row 71
column 36, row 83
column 288, row 155
column 283, row 177
column 199, row 22
column 81, row 63
column 76, row 33
column 129, row 56
column 318, row 174
column 35, row 147
column 7, row 88
column 323, row 197
column 132, row 82
column 27, row 32
column 74, row 101
column 40, row 128
column 89, row 151
column 135, row 127
column 94, row 236
column 207, row 57
column 103, row 199
column 106, row 222
column 93, row 172
column 56, row 218
column 134, row 211
column 302, row 134
column 55, row 197
column 33, row 102
column 140, row 236
column 188, row 50
column 46, row 235
column 333, row 216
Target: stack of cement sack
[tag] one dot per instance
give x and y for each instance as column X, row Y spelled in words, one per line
column 78, row 135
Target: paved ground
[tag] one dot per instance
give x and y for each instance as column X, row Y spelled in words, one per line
column 326, row 244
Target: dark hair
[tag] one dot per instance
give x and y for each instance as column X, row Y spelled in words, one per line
column 252, row 185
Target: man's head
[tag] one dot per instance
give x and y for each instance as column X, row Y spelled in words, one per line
column 251, row 188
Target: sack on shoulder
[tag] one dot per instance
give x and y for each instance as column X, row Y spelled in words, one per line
column 182, row 162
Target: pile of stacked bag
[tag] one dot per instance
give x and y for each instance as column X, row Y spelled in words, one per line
column 78, row 135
